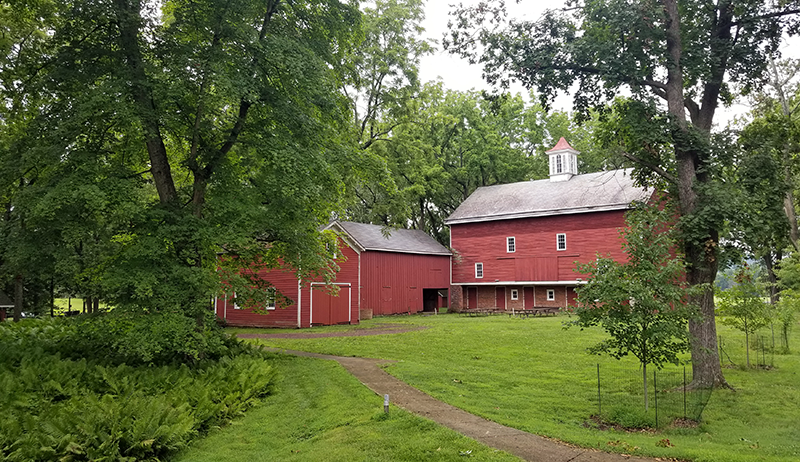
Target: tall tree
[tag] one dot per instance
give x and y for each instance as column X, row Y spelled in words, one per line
column 681, row 53
column 196, row 127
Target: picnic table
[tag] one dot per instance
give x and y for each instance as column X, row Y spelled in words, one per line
column 536, row 311
column 482, row 312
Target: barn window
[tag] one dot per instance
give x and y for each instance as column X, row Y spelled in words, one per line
column 235, row 305
column 558, row 163
column 551, row 294
column 511, row 244
column 270, row 298
column 514, row 294
column 561, row 242
column 478, row 270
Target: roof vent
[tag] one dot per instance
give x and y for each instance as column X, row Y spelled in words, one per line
column 563, row 161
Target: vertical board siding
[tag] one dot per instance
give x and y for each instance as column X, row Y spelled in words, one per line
column 285, row 281
column 392, row 282
column 536, row 257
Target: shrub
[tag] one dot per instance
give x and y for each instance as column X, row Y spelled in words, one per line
column 132, row 338
column 83, row 409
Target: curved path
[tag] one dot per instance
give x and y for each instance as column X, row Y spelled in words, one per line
column 522, row 444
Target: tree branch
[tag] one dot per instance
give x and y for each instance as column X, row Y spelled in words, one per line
column 655, row 168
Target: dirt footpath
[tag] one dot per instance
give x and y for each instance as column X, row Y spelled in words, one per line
column 524, row 445
column 383, row 329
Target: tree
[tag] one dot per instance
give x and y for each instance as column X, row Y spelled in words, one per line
column 640, row 303
column 683, row 54
column 196, row 128
column 743, row 308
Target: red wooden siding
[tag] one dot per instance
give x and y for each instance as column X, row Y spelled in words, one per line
column 329, row 308
column 285, row 281
column 536, row 258
column 392, row 282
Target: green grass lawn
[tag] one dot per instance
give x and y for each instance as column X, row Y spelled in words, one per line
column 533, row 375
column 320, row 412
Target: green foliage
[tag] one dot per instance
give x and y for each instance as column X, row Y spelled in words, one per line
column 640, row 303
column 172, row 133
column 321, row 412
column 131, row 338
column 742, row 306
column 59, row 409
column 535, row 376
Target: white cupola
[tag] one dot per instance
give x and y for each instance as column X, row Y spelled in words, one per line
column 563, row 161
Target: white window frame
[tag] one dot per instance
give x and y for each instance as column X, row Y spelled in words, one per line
column 551, row 295
column 478, row 270
column 235, row 306
column 514, row 294
column 561, row 237
column 511, row 244
column 271, row 296
column 559, row 167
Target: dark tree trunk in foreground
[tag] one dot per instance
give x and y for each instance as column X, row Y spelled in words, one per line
column 18, row 294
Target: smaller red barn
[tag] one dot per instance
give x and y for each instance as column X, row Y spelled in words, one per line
column 383, row 271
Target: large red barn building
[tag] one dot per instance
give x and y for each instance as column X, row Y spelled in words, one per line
column 381, row 271
column 517, row 245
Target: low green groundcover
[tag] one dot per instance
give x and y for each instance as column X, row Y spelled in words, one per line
column 125, row 399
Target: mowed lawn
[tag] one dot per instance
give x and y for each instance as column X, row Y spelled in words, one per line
column 534, row 375
column 320, row 412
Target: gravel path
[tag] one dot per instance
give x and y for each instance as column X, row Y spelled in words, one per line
column 522, row 444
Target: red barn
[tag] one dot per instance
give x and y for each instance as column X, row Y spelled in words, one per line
column 401, row 271
column 517, row 244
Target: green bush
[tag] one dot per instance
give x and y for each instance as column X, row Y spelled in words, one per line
column 53, row 408
column 132, row 338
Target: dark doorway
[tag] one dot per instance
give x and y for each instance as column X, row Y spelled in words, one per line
column 430, row 300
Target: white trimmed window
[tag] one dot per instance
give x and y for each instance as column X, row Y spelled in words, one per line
column 558, row 164
column 561, row 241
column 511, row 244
column 235, row 305
column 551, row 294
column 270, row 305
column 478, row 270
column 514, row 294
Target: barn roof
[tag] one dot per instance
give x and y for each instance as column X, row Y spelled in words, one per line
column 591, row 192
column 5, row 302
column 371, row 237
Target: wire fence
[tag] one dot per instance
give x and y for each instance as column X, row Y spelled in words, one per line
column 760, row 353
column 628, row 398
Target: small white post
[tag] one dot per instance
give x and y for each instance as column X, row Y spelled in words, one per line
column 386, row 403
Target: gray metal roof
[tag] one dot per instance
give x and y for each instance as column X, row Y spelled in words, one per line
column 5, row 302
column 591, row 192
column 371, row 237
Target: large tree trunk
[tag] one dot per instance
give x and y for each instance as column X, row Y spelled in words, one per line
column 129, row 19
column 18, row 294
column 701, row 254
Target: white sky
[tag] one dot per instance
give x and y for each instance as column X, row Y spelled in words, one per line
column 458, row 74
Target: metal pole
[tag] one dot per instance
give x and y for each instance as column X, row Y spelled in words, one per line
column 655, row 394
column 599, row 404
column 684, row 392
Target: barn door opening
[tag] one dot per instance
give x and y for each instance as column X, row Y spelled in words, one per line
column 500, row 298
column 528, row 298
column 430, row 300
column 327, row 308
column 472, row 298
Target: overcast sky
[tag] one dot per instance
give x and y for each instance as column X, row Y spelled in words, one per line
column 458, row 74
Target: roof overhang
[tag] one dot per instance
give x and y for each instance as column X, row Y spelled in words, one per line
column 539, row 213
column 522, row 283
